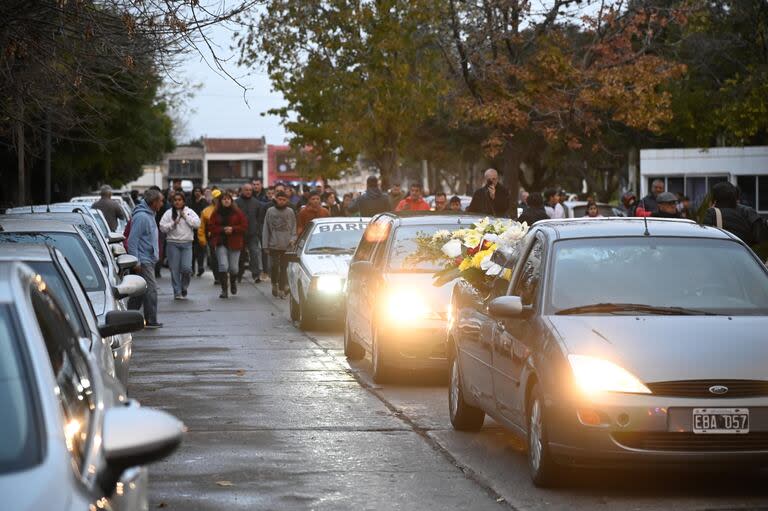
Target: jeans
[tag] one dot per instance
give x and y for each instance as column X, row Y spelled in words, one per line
column 149, row 299
column 213, row 262
column 253, row 253
column 180, row 262
column 228, row 259
column 279, row 274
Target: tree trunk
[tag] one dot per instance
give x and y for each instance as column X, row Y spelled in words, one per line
column 20, row 143
column 510, row 168
column 48, row 159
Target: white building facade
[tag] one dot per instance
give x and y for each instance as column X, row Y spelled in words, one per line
column 693, row 172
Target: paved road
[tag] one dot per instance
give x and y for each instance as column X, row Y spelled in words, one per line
column 279, row 420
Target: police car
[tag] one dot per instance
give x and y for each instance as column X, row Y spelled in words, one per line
column 317, row 270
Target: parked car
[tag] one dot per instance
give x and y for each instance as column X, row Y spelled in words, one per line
column 619, row 342
column 65, row 207
column 104, row 296
column 90, row 199
column 393, row 310
column 69, row 438
column 317, row 269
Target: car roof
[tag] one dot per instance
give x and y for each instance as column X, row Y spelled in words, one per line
column 436, row 219
column 28, row 223
column 9, row 272
column 341, row 219
column 576, row 228
column 59, row 216
column 24, row 252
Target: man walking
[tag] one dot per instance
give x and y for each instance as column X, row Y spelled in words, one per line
column 278, row 236
column 666, row 206
column 492, row 199
column 109, row 207
column 143, row 244
column 373, row 201
column 649, row 204
column 252, row 209
column 312, row 210
column 414, row 201
column 258, row 191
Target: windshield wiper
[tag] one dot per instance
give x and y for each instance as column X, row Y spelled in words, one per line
column 329, row 249
column 633, row 307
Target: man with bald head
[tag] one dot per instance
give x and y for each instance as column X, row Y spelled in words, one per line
column 492, row 199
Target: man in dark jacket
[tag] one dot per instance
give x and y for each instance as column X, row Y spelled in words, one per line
column 666, row 206
column 649, row 203
column 492, row 199
column 373, row 201
column 252, row 209
column 109, row 207
column 741, row 221
column 535, row 210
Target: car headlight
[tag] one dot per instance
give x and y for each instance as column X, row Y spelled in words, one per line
column 595, row 375
column 329, row 284
column 406, row 305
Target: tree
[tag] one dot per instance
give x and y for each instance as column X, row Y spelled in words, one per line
column 357, row 76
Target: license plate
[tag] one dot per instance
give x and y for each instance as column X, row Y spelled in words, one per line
column 720, row 420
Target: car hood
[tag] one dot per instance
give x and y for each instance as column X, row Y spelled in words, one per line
column 667, row 348
column 439, row 298
column 98, row 301
column 337, row 264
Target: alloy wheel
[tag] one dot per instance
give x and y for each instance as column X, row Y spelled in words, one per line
column 534, row 436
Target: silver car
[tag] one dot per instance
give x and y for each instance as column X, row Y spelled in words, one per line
column 103, row 294
column 69, row 438
column 317, row 269
column 619, row 342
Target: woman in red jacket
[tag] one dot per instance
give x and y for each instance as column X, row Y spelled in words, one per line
column 228, row 227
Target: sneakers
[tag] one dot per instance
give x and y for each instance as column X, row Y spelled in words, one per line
column 153, row 326
column 200, row 273
column 183, row 293
column 256, row 280
column 177, row 297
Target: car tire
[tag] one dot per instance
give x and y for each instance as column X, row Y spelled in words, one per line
column 543, row 469
column 382, row 373
column 294, row 309
column 306, row 316
column 464, row 417
column 352, row 350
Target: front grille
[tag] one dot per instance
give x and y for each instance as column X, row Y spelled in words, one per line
column 700, row 388
column 690, row 442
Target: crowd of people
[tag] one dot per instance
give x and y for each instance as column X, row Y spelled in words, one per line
column 255, row 226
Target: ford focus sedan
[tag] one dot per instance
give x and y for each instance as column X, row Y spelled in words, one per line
column 619, row 343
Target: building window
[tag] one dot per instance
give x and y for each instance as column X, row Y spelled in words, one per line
column 235, row 170
column 748, row 187
column 185, row 168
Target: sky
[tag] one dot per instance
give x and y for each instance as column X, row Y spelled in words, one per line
column 219, row 107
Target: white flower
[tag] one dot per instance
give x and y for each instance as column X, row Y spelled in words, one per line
column 452, row 249
column 489, row 267
column 441, row 235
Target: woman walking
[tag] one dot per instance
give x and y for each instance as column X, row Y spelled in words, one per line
column 228, row 227
column 179, row 224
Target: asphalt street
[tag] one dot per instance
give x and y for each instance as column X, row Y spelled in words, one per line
column 278, row 419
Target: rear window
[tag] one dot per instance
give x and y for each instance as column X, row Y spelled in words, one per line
column 20, row 445
column 74, row 249
column 404, row 245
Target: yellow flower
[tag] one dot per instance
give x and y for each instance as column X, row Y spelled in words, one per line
column 478, row 258
column 506, row 274
column 472, row 239
column 465, row 264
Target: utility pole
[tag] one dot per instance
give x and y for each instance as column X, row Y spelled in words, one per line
column 47, row 158
column 20, row 143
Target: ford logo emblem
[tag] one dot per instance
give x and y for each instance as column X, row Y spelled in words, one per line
column 718, row 389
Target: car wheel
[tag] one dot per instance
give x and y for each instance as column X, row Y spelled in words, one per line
column 464, row 417
column 306, row 317
column 294, row 309
column 544, row 471
column 352, row 350
column 382, row 373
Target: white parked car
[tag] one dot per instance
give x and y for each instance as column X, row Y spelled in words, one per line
column 317, row 269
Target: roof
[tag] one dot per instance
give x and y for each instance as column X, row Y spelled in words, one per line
column 234, row 145
column 28, row 223
column 575, row 228
column 437, row 219
column 24, row 252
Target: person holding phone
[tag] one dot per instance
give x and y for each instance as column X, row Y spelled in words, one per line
column 492, row 199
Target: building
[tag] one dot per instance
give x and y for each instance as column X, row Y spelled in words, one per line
column 185, row 162
column 282, row 165
column 232, row 162
column 152, row 175
column 693, row 172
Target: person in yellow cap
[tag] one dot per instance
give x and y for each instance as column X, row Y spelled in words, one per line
column 203, row 234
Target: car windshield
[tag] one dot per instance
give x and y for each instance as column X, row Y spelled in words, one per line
column 340, row 238
column 93, row 239
column 647, row 275
column 404, row 245
column 74, row 249
column 19, row 439
column 55, row 282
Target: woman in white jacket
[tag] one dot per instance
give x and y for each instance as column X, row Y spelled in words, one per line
column 179, row 224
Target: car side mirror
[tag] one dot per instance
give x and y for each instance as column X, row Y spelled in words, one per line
column 121, row 322
column 292, row 257
column 361, row 268
column 134, row 436
column 118, row 249
column 506, row 307
column 126, row 262
column 131, row 285
column 115, row 237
